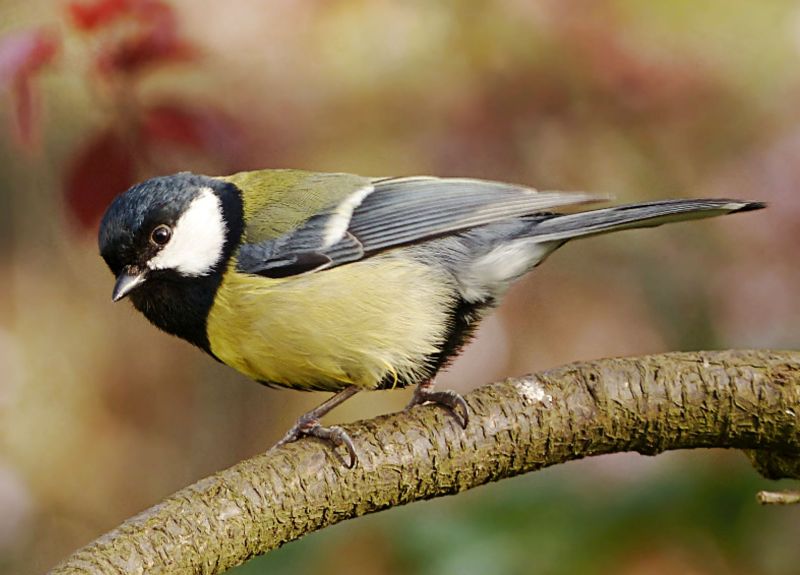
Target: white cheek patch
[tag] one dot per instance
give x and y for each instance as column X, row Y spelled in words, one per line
column 197, row 238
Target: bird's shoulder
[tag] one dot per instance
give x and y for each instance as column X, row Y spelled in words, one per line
column 278, row 201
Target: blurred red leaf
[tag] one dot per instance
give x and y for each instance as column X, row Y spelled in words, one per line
column 152, row 11
column 22, row 55
column 27, row 114
column 25, row 52
column 153, row 47
column 92, row 15
column 156, row 40
column 103, row 168
column 206, row 129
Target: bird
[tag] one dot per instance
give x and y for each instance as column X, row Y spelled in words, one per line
column 340, row 283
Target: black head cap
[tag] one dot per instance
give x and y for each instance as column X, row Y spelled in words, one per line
column 124, row 237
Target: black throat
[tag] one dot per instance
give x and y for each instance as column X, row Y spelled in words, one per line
column 180, row 305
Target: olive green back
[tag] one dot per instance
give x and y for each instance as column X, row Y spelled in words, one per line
column 278, row 201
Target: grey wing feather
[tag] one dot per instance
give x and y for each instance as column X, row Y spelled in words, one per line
column 289, row 254
column 406, row 210
column 401, row 211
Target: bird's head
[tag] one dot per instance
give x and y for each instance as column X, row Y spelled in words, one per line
column 169, row 229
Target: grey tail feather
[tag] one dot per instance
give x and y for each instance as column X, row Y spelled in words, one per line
column 629, row 216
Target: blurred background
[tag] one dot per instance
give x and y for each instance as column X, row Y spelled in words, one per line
column 101, row 415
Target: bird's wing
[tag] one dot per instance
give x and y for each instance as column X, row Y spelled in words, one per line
column 393, row 212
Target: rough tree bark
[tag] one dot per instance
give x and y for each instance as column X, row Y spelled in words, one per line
column 734, row 399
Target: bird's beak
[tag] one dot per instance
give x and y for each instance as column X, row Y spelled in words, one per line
column 127, row 281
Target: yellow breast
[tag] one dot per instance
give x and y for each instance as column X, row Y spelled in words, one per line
column 351, row 325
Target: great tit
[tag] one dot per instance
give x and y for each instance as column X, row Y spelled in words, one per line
column 341, row 283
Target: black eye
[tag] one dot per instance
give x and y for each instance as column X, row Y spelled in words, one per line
column 161, row 235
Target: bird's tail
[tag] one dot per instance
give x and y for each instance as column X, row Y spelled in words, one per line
column 565, row 227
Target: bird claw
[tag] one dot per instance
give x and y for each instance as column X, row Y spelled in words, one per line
column 335, row 435
column 455, row 404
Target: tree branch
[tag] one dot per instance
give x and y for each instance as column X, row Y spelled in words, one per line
column 736, row 399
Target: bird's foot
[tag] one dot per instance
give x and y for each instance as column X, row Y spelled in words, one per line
column 309, row 426
column 455, row 404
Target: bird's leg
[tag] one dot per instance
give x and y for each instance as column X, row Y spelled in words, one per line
column 308, row 425
column 425, row 393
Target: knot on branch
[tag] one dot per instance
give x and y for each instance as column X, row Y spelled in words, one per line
column 775, row 464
